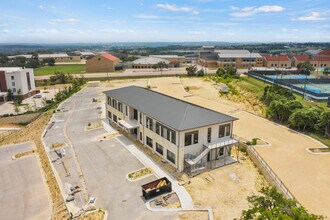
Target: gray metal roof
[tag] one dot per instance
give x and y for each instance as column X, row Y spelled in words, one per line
column 175, row 113
column 232, row 51
column 150, row 60
column 237, row 55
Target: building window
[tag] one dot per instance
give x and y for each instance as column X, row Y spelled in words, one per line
column 209, row 132
column 126, row 110
column 120, row 107
column 12, row 77
column 109, row 101
column 191, row 138
column 115, row 118
column 28, row 80
column 171, row 156
column 221, row 151
column 114, row 103
column 224, row 130
column 109, row 114
column 14, row 90
column 13, row 83
column 149, row 141
column 140, row 136
column 149, row 123
column 141, row 119
column 166, row 132
column 159, row 148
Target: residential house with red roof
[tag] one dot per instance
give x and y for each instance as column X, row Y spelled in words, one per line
column 299, row 58
column 321, row 61
column 104, row 62
column 278, row 61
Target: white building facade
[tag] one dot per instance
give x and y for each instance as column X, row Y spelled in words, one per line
column 17, row 79
column 192, row 147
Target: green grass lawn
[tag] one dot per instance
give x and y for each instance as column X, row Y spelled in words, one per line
column 68, row 68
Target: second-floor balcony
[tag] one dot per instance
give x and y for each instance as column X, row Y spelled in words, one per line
column 225, row 141
column 129, row 124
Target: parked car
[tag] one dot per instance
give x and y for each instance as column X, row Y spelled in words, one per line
column 38, row 96
column 69, row 198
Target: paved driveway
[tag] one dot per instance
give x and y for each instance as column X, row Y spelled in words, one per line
column 105, row 164
column 23, row 192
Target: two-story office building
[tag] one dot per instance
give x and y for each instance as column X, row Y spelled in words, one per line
column 189, row 137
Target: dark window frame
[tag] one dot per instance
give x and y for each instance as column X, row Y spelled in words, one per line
column 170, row 156
column 149, row 142
column 159, row 149
column 191, row 138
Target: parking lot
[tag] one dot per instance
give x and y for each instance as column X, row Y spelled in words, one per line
column 104, row 164
column 23, row 192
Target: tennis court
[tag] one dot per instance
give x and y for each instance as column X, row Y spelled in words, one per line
column 317, row 88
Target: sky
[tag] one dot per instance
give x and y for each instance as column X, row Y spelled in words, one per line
column 101, row 21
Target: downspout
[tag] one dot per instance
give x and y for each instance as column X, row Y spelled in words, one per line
column 178, row 150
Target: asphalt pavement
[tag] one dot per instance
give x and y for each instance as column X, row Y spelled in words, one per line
column 23, row 191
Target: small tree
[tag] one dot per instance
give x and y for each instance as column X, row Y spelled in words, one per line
column 10, row 95
column 306, row 67
column 324, row 123
column 200, row 73
column 191, row 70
column 160, row 66
column 49, row 61
column 45, row 82
column 326, row 71
column 52, row 80
column 273, row 205
column 16, row 109
column 19, row 97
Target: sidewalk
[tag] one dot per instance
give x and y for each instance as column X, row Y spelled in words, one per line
column 185, row 199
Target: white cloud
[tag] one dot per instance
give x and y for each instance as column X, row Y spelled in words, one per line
column 52, row 7
column 284, row 29
column 313, row 16
column 41, row 7
column 250, row 11
column 4, row 25
column 270, row 8
column 174, row 8
column 4, row 31
column 71, row 21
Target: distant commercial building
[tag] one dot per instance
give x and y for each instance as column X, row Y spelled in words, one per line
column 57, row 56
column 189, row 137
column 211, row 58
column 74, row 56
column 277, row 61
column 27, row 56
column 104, row 62
column 86, row 54
column 148, row 62
column 312, row 52
column 174, row 59
column 15, row 79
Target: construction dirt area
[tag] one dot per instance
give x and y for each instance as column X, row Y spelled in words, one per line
column 306, row 175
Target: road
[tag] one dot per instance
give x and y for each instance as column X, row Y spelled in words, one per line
column 104, row 164
column 23, row 191
column 132, row 73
